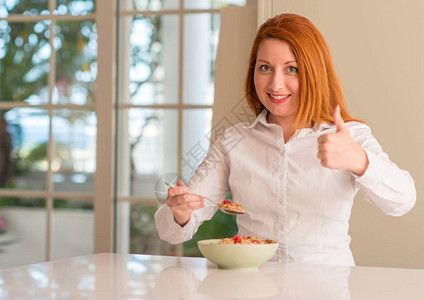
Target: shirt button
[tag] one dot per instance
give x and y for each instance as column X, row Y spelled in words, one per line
column 282, row 153
column 281, row 177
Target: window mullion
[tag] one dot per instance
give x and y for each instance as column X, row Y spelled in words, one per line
column 123, row 172
column 179, row 250
column 50, row 143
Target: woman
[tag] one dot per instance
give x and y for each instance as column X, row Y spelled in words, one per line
column 297, row 167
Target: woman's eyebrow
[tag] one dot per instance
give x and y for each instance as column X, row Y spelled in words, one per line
column 262, row 60
column 286, row 63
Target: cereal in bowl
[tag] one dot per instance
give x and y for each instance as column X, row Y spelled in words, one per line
column 245, row 240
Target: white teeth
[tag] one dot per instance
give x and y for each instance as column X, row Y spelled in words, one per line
column 279, row 97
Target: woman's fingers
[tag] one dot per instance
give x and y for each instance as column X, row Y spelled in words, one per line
column 183, row 205
column 339, row 151
column 175, row 200
column 178, row 190
column 182, row 202
column 191, row 206
column 180, row 199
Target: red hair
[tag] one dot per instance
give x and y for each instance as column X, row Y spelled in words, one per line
column 320, row 90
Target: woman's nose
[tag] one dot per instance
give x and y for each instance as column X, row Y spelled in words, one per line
column 277, row 82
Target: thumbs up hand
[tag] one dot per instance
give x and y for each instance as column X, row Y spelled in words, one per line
column 339, row 151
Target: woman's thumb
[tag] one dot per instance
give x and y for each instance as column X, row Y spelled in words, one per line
column 180, row 183
column 338, row 120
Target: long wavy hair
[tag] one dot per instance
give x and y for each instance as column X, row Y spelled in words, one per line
column 320, row 90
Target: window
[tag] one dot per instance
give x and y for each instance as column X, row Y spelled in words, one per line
column 166, row 74
column 48, row 69
column 57, row 120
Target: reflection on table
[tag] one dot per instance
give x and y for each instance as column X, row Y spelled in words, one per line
column 121, row 276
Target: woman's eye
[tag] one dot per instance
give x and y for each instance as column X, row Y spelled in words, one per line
column 292, row 69
column 264, row 68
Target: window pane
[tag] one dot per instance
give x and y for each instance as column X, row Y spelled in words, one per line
column 196, row 141
column 198, row 4
column 207, row 4
column 148, row 147
column 75, row 7
column 153, row 65
column 76, row 66
column 16, row 7
column 24, row 148
column 72, row 228
column 24, row 54
column 153, row 5
column 22, row 231
column 200, row 42
column 224, row 3
column 74, row 161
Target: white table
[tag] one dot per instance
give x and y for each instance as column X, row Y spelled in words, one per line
column 121, row 276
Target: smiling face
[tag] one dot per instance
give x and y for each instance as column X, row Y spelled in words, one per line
column 277, row 81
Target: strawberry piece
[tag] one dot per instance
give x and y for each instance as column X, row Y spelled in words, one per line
column 237, row 239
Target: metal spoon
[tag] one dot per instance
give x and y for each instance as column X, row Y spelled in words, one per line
column 229, row 211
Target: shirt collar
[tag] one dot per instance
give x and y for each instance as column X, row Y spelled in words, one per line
column 261, row 118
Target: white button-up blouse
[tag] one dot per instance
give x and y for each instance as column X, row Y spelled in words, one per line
column 288, row 195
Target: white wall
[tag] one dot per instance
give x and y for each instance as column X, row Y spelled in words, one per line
column 378, row 51
column 238, row 29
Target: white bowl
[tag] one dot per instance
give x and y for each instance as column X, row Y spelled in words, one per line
column 235, row 256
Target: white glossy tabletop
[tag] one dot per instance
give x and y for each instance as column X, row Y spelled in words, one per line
column 121, row 276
